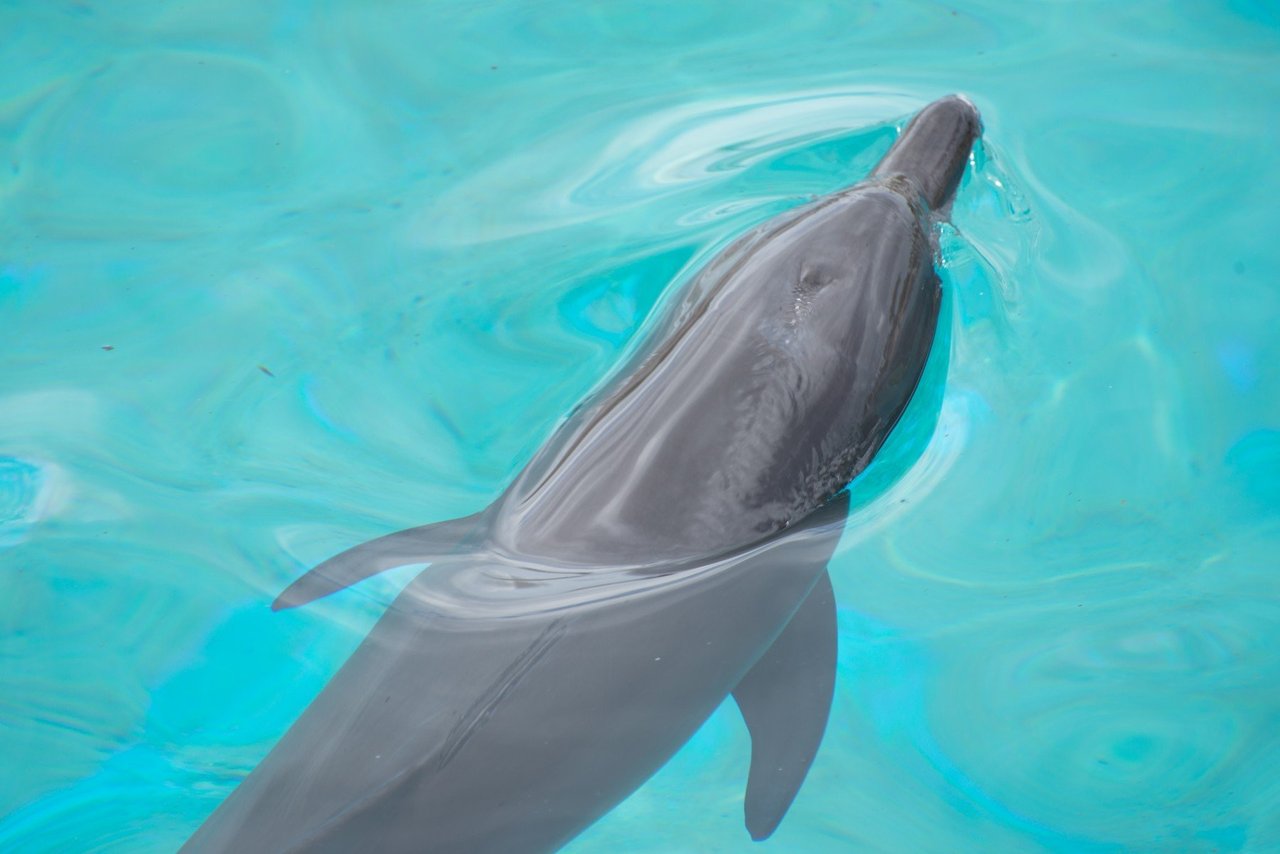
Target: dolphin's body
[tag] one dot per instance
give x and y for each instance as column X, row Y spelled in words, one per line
column 667, row 547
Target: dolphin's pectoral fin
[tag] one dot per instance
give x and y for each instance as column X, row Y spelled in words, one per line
column 413, row 545
column 785, row 699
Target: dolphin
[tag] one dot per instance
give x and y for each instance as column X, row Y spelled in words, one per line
column 666, row 548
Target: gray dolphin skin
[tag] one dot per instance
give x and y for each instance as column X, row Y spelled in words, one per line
column 665, row 549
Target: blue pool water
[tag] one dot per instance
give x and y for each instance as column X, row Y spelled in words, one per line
column 277, row 277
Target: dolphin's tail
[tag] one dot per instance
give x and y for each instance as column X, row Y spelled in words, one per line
column 934, row 148
column 423, row 544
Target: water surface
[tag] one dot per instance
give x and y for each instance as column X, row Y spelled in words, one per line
column 279, row 277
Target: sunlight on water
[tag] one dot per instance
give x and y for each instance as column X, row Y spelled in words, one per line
column 280, row 278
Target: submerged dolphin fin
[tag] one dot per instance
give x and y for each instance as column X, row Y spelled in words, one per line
column 413, row 545
column 785, row 699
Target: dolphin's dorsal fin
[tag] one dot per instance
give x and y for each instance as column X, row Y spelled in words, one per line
column 785, row 699
column 413, row 545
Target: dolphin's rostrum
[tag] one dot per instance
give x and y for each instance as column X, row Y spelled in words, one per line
column 667, row 547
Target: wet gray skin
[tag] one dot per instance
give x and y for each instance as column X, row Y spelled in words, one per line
column 666, row 548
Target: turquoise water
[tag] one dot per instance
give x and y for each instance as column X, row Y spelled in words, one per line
column 280, row 277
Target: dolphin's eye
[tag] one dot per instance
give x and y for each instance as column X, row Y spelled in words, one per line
column 812, row 278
